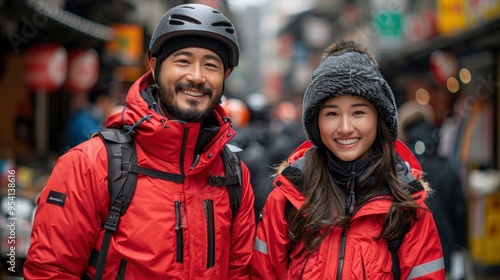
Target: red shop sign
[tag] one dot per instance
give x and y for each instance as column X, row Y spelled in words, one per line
column 83, row 71
column 443, row 66
column 46, row 67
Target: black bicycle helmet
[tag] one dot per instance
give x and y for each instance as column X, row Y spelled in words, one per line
column 197, row 20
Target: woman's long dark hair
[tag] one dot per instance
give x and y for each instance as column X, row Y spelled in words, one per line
column 325, row 202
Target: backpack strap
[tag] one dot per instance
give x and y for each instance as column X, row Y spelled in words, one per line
column 121, row 185
column 122, row 178
column 232, row 179
column 232, row 167
column 393, row 246
column 121, row 151
column 136, row 169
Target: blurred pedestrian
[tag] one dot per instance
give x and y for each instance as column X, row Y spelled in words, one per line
column 287, row 132
column 253, row 138
column 283, row 134
column 178, row 225
column 448, row 201
column 352, row 194
column 89, row 113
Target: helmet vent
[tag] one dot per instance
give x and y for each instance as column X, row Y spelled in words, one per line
column 180, row 19
column 222, row 23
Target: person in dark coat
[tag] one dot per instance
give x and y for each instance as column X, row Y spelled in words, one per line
column 448, row 201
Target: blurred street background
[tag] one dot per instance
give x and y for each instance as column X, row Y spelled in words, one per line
column 62, row 61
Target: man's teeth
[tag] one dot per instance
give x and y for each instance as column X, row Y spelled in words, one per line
column 193, row 93
column 347, row 141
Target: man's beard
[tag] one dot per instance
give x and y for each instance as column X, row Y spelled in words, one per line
column 192, row 114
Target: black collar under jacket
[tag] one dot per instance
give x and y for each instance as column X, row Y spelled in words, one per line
column 150, row 95
column 349, row 176
column 343, row 171
column 346, row 172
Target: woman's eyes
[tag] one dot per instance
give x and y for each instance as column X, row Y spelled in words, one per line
column 355, row 113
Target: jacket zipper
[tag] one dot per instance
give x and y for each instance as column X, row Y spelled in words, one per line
column 209, row 213
column 121, row 270
column 178, row 233
column 341, row 254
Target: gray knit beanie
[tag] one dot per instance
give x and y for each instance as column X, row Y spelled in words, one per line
column 348, row 69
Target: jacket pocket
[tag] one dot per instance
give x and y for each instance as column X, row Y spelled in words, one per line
column 209, row 214
column 179, row 239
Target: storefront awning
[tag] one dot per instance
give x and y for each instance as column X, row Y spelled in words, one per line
column 70, row 20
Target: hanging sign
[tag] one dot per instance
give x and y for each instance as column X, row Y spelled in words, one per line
column 443, row 66
column 46, row 67
column 83, row 71
column 128, row 43
column 451, row 16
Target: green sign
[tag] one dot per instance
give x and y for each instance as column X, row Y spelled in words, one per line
column 389, row 23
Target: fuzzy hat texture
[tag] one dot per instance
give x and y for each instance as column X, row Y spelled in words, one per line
column 347, row 68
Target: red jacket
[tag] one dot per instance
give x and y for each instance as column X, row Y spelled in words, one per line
column 365, row 258
column 145, row 245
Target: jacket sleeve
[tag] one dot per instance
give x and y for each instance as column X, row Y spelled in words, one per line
column 421, row 255
column 243, row 231
column 270, row 253
column 67, row 221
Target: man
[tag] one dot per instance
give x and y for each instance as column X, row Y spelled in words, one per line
column 170, row 230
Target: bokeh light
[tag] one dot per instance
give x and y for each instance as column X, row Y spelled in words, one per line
column 422, row 96
column 419, row 147
column 452, row 84
column 465, row 75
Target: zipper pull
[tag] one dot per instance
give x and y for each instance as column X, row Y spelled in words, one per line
column 179, row 236
column 351, row 201
column 195, row 161
column 178, row 216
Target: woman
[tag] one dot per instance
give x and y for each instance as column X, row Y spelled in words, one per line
column 354, row 193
